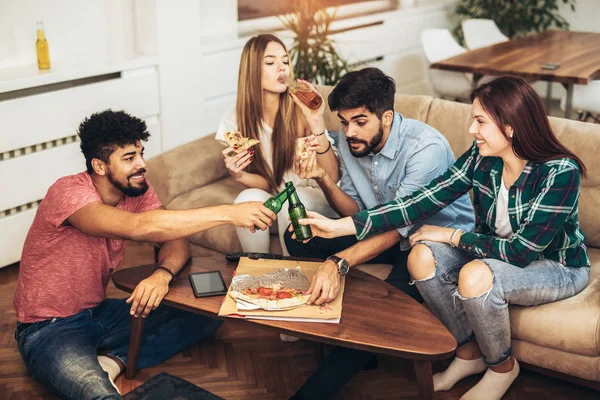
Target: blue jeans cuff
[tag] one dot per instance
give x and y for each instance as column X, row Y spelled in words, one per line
column 465, row 341
column 503, row 358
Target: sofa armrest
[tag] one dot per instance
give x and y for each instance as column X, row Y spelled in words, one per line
column 186, row 167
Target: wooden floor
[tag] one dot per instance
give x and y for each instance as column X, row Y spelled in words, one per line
column 245, row 362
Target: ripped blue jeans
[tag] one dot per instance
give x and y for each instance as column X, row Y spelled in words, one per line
column 485, row 317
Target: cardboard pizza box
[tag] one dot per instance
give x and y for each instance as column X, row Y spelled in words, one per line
column 310, row 313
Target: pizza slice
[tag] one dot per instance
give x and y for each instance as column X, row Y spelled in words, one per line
column 302, row 146
column 238, row 142
column 272, row 298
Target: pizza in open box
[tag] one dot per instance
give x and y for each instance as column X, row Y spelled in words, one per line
column 281, row 289
column 272, row 298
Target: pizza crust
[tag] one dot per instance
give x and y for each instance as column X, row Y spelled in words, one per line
column 271, row 305
column 302, row 146
column 239, row 142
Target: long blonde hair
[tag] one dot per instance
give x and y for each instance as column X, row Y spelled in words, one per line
column 249, row 113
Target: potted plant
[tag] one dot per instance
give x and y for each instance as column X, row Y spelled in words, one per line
column 313, row 54
column 514, row 17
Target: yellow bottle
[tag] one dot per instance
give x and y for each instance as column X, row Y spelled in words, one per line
column 41, row 48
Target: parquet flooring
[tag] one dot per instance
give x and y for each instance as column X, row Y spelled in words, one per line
column 245, row 362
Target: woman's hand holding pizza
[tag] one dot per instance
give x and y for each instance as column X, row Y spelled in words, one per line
column 237, row 162
column 239, row 153
column 305, row 161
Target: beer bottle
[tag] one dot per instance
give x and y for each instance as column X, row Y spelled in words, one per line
column 41, row 48
column 275, row 203
column 303, row 92
column 297, row 211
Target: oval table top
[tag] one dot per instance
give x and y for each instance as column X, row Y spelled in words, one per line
column 376, row 316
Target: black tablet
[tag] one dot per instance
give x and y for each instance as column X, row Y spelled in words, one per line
column 209, row 283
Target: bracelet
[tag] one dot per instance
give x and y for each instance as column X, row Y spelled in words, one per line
column 328, row 148
column 453, row 236
column 320, row 134
column 166, row 269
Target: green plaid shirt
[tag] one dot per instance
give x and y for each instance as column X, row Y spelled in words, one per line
column 542, row 206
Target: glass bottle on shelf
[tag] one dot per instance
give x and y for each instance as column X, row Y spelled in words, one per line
column 303, row 92
column 41, row 48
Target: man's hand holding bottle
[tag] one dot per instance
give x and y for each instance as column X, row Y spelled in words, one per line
column 252, row 215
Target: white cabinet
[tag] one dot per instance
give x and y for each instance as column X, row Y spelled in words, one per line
column 39, row 117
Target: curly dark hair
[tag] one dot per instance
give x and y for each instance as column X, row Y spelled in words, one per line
column 102, row 133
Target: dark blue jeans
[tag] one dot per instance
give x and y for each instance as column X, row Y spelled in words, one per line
column 61, row 353
column 343, row 363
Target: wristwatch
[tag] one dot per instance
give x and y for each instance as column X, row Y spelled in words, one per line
column 342, row 264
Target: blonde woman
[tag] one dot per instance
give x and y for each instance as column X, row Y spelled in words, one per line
column 267, row 111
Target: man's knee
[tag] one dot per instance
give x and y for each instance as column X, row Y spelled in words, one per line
column 475, row 279
column 420, row 263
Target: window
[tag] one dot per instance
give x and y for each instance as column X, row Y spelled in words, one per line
column 251, row 9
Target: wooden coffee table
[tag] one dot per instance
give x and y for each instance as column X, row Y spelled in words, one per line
column 376, row 317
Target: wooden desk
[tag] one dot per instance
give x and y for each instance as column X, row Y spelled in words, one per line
column 577, row 52
column 376, row 317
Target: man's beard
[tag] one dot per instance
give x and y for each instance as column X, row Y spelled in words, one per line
column 369, row 146
column 129, row 189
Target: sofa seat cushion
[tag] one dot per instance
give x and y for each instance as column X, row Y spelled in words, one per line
column 221, row 238
column 571, row 325
column 184, row 168
column 584, row 367
column 381, row 271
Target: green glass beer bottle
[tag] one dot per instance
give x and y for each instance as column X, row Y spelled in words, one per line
column 297, row 211
column 275, row 203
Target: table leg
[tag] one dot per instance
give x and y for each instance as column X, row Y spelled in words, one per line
column 135, row 340
column 569, row 104
column 424, row 379
column 548, row 97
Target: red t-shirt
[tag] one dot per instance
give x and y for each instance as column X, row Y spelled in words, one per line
column 64, row 271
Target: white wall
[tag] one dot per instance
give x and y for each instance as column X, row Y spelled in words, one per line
column 79, row 33
column 585, row 17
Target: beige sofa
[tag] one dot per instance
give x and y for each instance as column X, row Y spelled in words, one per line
column 561, row 337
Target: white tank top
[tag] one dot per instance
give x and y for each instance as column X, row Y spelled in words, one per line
column 503, row 228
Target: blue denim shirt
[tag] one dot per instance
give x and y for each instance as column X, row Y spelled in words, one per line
column 413, row 155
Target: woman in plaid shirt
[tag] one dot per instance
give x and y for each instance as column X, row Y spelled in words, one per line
column 528, row 249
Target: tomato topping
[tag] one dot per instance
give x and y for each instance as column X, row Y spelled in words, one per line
column 263, row 291
column 284, row 295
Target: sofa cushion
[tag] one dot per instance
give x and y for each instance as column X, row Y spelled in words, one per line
column 221, row 238
column 184, row 168
column 452, row 119
column 571, row 325
column 583, row 139
column 415, row 107
column 584, row 367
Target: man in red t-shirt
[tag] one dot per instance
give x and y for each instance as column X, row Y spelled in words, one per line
column 76, row 241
